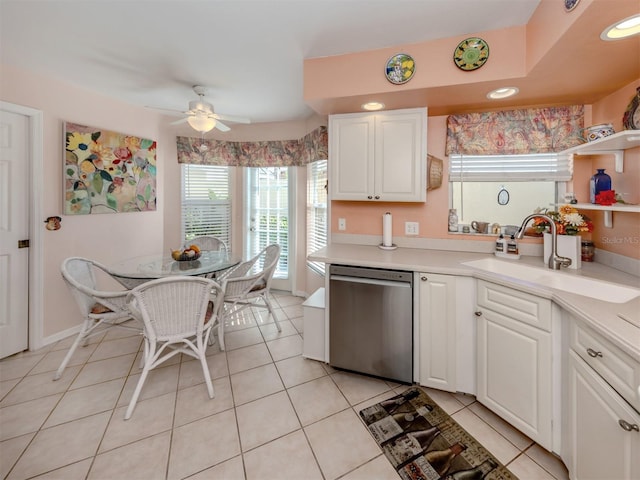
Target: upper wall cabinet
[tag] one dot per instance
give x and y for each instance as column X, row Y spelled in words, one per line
column 379, row 156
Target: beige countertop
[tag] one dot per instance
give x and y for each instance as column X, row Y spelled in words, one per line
column 602, row 316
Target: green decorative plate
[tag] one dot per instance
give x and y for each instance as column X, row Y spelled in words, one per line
column 471, row 54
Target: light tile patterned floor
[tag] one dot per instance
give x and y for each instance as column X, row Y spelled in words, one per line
column 276, row 415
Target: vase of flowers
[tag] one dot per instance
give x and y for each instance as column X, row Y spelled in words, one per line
column 569, row 225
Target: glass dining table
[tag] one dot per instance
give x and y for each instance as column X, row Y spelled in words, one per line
column 135, row 271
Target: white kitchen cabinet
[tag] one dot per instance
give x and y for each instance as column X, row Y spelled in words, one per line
column 437, row 327
column 445, row 348
column 379, row 156
column 514, row 347
column 601, row 437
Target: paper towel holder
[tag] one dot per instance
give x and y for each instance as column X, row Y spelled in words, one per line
column 392, row 247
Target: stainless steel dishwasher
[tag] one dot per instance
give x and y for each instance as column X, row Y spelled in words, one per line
column 371, row 321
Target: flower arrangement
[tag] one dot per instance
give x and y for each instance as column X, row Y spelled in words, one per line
column 567, row 219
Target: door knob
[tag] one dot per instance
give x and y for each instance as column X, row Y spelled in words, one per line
column 423, row 278
column 477, row 314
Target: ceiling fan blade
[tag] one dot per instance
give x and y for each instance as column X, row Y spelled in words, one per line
column 169, row 111
column 221, row 126
column 178, row 122
column 230, row 118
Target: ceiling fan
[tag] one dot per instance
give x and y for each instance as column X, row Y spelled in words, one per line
column 201, row 116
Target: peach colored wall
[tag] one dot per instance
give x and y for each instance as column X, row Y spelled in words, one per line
column 106, row 237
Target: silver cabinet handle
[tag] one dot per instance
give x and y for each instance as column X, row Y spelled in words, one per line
column 369, row 197
column 593, row 353
column 424, row 279
column 627, row 426
column 377, row 197
column 477, row 314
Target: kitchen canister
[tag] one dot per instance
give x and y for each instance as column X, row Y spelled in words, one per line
column 600, row 182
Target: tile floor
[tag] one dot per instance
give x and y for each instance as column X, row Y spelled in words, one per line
column 276, row 415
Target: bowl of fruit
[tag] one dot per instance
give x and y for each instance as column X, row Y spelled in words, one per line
column 187, row 254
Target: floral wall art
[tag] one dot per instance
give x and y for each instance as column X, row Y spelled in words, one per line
column 107, row 172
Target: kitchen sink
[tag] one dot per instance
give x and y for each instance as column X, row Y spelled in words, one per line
column 589, row 287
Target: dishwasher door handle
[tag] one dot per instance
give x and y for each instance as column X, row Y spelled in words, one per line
column 371, row 281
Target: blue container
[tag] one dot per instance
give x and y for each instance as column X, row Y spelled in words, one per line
column 600, row 182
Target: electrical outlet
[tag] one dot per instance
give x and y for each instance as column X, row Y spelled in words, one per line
column 342, row 224
column 411, row 228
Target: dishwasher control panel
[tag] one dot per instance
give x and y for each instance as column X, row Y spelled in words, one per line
column 374, row 273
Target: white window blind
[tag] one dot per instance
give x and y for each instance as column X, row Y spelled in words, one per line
column 206, row 202
column 316, row 210
column 541, row 166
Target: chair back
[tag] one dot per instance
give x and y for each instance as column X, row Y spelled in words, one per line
column 209, row 243
column 80, row 276
column 176, row 307
column 254, row 275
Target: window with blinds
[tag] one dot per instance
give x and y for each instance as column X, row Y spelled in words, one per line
column 541, row 166
column 206, row 202
column 504, row 189
column 316, row 210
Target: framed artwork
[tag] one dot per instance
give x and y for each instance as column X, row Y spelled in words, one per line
column 107, row 172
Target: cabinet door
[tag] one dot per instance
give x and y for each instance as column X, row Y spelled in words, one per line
column 598, row 446
column 437, row 327
column 401, row 156
column 514, row 374
column 351, row 152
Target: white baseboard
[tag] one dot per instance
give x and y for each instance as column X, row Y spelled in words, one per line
column 56, row 337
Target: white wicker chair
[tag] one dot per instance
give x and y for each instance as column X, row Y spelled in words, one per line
column 243, row 286
column 213, row 244
column 100, row 309
column 178, row 314
column 208, row 243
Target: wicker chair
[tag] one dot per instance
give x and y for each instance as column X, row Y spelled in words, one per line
column 100, row 309
column 212, row 244
column 178, row 314
column 209, row 243
column 243, row 286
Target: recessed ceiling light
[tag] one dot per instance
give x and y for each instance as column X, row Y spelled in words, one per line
column 373, row 106
column 625, row 28
column 502, row 93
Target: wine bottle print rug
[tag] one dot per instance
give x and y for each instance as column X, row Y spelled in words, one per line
column 422, row 442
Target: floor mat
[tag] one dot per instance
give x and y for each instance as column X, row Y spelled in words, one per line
column 422, row 442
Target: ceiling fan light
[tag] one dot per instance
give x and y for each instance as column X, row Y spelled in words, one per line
column 201, row 123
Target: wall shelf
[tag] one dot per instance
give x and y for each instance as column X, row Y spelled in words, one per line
column 614, row 145
column 607, row 209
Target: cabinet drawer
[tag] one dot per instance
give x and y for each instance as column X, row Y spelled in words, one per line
column 616, row 367
column 518, row 305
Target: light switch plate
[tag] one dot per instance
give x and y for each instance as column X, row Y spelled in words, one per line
column 342, row 224
column 411, row 228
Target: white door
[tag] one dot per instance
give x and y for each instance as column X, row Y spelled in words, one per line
column 268, row 216
column 14, row 228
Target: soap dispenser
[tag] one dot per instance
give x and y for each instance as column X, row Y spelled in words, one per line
column 500, row 244
column 512, row 246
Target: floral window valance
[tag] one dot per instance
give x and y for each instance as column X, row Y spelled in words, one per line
column 533, row 130
column 287, row 153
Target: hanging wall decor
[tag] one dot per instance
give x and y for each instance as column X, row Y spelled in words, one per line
column 471, row 54
column 400, row 68
column 107, row 172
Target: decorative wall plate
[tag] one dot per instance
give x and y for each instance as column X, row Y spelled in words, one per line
column 631, row 117
column 471, row 54
column 400, row 68
column 570, row 4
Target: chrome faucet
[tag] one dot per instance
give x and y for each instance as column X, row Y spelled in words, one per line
column 555, row 261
